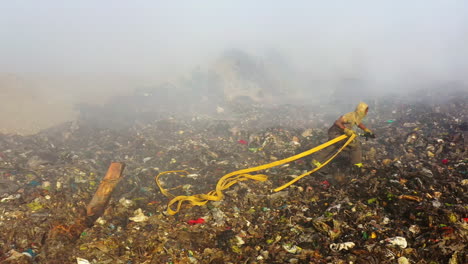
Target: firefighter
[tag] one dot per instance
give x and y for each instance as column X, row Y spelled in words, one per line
column 346, row 125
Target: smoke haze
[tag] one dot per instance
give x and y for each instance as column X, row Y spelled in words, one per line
column 56, row 54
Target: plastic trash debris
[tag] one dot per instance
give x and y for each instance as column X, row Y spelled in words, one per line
column 240, row 241
column 192, row 176
column 126, row 203
column 254, row 149
column 196, row 221
column 292, row 248
column 342, row 246
column 219, row 217
column 410, row 125
column 403, row 260
column 34, row 206
column 295, row 141
column 243, row 142
column 10, row 198
column 325, row 184
column 82, row 261
column 385, row 221
column 15, row 255
column 34, row 183
column 396, row 241
column 436, row 203
column 139, row 216
column 101, row 221
column 410, row 197
column 427, row 172
column 30, row 253
column 415, row 229
column 454, row 258
column 46, row 185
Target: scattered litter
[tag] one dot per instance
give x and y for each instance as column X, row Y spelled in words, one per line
column 82, row 261
column 292, row 248
column 342, row 246
column 196, row 221
column 396, row 241
column 139, row 216
column 407, row 204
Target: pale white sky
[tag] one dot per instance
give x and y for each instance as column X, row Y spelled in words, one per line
column 374, row 39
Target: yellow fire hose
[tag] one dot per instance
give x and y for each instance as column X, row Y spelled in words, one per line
column 242, row 175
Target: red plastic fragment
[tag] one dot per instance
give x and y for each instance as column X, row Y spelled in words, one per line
column 198, row 221
column 445, row 161
column 447, row 230
column 243, row 142
column 325, row 184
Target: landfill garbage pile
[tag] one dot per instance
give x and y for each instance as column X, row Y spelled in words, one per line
column 408, row 205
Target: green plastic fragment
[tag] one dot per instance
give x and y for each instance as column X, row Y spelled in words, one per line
column 328, row 214
column 365, row 235
column 390, row 196
column 372, row 200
